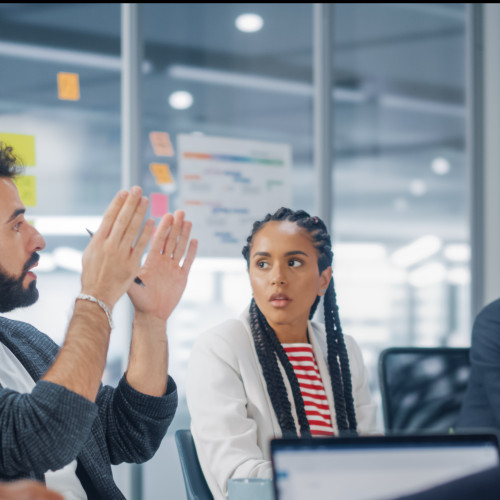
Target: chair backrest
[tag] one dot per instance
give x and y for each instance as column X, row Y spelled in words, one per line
column 422, row 388
column 194, row 480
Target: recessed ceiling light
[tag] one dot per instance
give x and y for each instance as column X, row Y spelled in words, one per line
column 249, row 23
column 180, row 100
column 440, row 166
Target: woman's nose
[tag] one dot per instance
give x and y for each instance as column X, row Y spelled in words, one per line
column 278, row 278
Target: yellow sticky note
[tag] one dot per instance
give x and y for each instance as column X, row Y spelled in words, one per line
column 161, row 172
column 68, row 86
column 23, row 147
column 26, row 185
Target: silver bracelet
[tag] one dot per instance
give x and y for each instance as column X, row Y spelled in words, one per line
column 100, row 303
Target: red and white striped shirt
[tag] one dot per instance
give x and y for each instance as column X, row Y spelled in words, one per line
column 311, row 386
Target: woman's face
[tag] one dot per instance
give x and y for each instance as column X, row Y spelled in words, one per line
column 284, row 274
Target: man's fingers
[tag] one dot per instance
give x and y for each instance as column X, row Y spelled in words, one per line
column 193, row 246
column 132, row 204
column 25, row 489
column 174, row 233
column 158, row 243
column 131, row 232
column 111, row 214
column 144, row 238
column 180, row 248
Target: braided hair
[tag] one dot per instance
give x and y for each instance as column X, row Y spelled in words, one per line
column 269, row 349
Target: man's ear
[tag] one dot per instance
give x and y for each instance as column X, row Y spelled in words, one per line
column 324, row 280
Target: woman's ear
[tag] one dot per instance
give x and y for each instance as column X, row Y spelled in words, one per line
column 324, row 280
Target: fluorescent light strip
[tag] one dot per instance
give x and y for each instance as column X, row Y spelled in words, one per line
column 428, row 274
column 420, row 105
column 65, row 226
column 359, row 251
column 417, row 251
column 49, row 54
column 65, row 56
column 243, row 80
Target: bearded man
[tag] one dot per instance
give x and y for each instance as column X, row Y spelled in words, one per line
column 58, row 424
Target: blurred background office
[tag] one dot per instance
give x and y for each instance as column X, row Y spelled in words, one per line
column 390, row 115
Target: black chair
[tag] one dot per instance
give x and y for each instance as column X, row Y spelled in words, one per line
column 422, row 388
column 194, row 480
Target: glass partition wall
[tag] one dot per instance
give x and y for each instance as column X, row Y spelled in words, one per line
column 399, row 173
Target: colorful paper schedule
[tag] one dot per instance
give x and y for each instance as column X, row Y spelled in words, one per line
column 226, row 184
column 23, row 147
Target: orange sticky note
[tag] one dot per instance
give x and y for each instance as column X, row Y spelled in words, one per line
column 161, row 144
column 159, row 204
column 161, row 172
column 68, row 86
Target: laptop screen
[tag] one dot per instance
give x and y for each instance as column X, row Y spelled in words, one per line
column 376, row 467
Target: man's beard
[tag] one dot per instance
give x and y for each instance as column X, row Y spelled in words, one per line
column 12, row 292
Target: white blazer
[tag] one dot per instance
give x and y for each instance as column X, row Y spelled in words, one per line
column 232, row 417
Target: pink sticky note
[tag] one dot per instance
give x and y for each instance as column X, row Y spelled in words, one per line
column 159, row 204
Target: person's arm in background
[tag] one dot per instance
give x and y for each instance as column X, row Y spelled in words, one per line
column 27, row 490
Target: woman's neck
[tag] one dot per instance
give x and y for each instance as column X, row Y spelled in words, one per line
column 289, row 335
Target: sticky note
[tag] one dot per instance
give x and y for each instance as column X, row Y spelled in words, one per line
column 26, row 185
column 161, row 143
column 161, row 173
column 68, row 86
column 159, row 204
column 23, row 147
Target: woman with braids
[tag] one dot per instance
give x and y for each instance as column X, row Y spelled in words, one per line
column 273, row 372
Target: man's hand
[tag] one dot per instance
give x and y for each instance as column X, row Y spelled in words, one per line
column 112, row 258
column 110, row 263
column 27, row 490
column 162, row 273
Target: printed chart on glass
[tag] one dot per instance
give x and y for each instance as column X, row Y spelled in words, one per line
column 227, row 184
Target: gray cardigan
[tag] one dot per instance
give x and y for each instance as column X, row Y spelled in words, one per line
column 52, row 426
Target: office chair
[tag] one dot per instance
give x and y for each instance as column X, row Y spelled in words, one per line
column 194, row 480
column 422, row 388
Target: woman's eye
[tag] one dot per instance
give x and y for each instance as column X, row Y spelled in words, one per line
column 262, row 265
column 17, row 226
column 294, row 263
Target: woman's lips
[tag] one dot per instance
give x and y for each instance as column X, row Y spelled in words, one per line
column 279, row 300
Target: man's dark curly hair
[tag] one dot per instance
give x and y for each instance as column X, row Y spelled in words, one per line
column 9, row 163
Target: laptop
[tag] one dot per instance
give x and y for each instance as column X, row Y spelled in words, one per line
column 376, row 467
